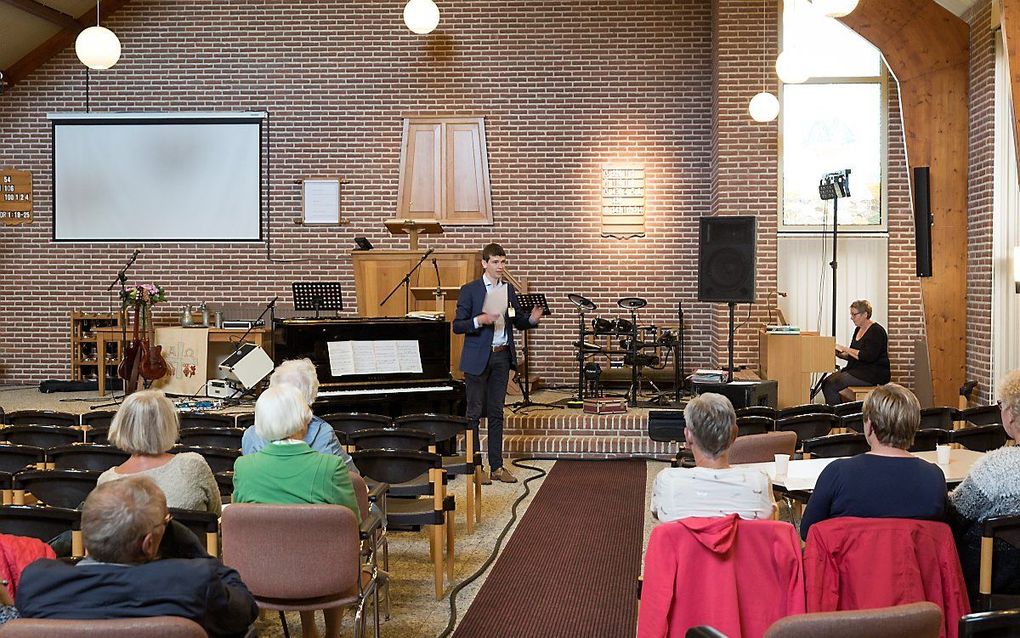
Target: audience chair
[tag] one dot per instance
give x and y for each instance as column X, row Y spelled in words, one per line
column 982, row 415
column 703, row 631
column 748, row 425
column 203, row 420
column 55, row 488
column 940, row 418
column 991, row 624
column 42, row 417
column 44, row 436
column 245, row 420
column 86, row 456
column 225, row 481
column 1002, row 533
column 808, row 426
column 762, row 448
column 224, row 437
column 44, row 523
column 853, row 422
column 835, row 445
column 398, row 466
column 446, row 429
column 980, row 438
column 154, row 627
column 926, row 440
column 322, row 572
column 391, row 438
column 739, row 587
column 344, row 423
column 801, row 410
column 98, row 425
column 205, row 525
column 220, row 459
column 850, row 407
column 13, row 459
column 916, row 620
column 867, row 563
column 757, row 410
column 373, row 533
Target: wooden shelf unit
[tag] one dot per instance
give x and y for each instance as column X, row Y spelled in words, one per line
column 84, row 354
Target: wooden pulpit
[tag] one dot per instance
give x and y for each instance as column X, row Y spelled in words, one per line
column 414, row 227
column 790, row 359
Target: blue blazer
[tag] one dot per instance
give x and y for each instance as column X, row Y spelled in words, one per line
column 478, row 341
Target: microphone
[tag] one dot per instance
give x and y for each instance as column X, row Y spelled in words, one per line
column 273, row 302
column 436, row 267
column 428, row 252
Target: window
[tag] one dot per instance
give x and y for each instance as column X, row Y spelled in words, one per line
column 833, row 121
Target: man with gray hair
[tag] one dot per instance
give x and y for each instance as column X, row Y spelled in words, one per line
column 301, row 374
column 712, row 488
column 124, row 523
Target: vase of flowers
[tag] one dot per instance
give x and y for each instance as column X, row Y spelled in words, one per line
column 145, row 295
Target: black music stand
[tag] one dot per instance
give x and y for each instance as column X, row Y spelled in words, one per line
column 317, row 295
column 527, row 302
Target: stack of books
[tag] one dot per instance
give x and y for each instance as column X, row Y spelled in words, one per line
column 708, row 376
column 783, row 330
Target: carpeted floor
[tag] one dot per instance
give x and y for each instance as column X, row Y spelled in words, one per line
column 572, row 565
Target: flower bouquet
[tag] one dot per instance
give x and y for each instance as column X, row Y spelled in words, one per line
column 144, row 295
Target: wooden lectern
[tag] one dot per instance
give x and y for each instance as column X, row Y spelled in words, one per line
column 790, row 359
column 426, row 294
column 414, row 227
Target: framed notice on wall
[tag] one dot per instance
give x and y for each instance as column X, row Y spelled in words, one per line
column 320, row 201
column 15, row 197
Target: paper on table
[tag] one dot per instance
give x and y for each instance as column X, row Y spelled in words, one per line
column 374, row 357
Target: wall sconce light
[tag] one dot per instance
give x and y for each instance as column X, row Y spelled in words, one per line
column 623, row 200
column 421, row 16
column 97, row 47
column 1016, row 269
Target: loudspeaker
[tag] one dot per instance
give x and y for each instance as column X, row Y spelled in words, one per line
column 666, row 425
column 922, row 220
column 743, row 394
column 726, row 259
column 249, row 363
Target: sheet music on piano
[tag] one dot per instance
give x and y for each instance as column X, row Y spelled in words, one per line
column 392, row 356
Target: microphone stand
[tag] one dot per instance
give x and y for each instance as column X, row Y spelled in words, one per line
column 270, row 308
column 679, row 377
column 406, row 283
column 121, row 280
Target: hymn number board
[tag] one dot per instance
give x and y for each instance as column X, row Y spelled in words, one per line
column 15, row 197
column 623, row 200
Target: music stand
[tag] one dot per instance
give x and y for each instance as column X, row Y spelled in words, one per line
column 527, row 302
column 317, row 295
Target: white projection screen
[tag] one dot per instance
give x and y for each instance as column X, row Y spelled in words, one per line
column 155, row 177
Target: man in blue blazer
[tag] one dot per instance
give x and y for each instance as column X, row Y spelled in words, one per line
column 487, row 312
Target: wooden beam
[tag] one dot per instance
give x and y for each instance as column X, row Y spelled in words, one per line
column 1009, row 16
column 927, row 49
column 57, row 43
column 40, row 10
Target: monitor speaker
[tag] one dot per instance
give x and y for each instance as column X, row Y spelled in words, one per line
column 726, row 254
column 249, row 364
column 922, row 220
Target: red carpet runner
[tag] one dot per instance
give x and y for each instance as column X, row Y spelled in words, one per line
column 571, row 567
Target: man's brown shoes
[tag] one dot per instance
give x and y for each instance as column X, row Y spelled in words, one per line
column 503, row 475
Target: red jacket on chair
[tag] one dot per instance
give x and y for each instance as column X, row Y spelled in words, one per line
column 16, row 552
column 863, row 563
column 738, row 576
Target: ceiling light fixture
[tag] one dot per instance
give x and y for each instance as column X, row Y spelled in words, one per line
column 764, row 107
column 421, row 16
column 97, row 47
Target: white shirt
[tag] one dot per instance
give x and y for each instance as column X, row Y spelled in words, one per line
column 700, row 491
column 499, row 336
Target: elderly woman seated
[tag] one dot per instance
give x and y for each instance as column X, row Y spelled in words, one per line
column 288, row 471
column 992, row 488
column 713, row 488
column 888, row 481
column 146, row 426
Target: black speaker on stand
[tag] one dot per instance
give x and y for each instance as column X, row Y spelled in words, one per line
column 726, row 264
column 922, row 220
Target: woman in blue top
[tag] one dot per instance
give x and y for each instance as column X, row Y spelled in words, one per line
column 888, row 481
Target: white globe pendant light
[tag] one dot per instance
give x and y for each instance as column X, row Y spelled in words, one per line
column 421, row 16
column 764, row 107
column 836, row 8
column 790, row 67
column 97, row 47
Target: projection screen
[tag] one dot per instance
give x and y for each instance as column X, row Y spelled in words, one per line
column 155, row 177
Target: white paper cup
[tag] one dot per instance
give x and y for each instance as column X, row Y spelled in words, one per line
column 942, row 454
column 782, row 464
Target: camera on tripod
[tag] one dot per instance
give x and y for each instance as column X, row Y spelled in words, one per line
column 835, row 185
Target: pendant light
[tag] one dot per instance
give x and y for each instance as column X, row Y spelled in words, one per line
column 764, row 107
column 97, row 47
column 421, row 16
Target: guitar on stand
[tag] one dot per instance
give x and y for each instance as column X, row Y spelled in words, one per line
column 130, row 367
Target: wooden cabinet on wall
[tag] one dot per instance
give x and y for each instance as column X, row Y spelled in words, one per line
column 376, row 272
column 85, row 355
column 444, row 171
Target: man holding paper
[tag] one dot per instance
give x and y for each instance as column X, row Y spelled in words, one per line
column 487, row 312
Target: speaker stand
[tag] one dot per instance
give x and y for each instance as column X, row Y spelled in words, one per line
column 729, row 376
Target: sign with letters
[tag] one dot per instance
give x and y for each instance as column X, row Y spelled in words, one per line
column 15, row 197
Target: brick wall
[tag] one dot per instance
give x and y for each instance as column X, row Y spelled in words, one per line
column 979, row 200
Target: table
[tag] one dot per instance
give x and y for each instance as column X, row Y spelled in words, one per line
column 259, row 336
column 803, row 474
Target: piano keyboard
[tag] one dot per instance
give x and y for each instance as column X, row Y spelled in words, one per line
column 366, row 391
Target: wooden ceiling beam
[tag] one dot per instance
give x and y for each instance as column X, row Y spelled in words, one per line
column 49, row 14
column 57, row 43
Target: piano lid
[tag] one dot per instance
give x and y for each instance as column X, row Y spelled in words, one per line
column 310, row 338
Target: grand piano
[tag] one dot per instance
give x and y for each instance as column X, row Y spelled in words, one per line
column 394, row 394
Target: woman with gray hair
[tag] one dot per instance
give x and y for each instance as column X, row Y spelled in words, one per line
column 320, row 436
column 713, row 487
column 146, row 426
